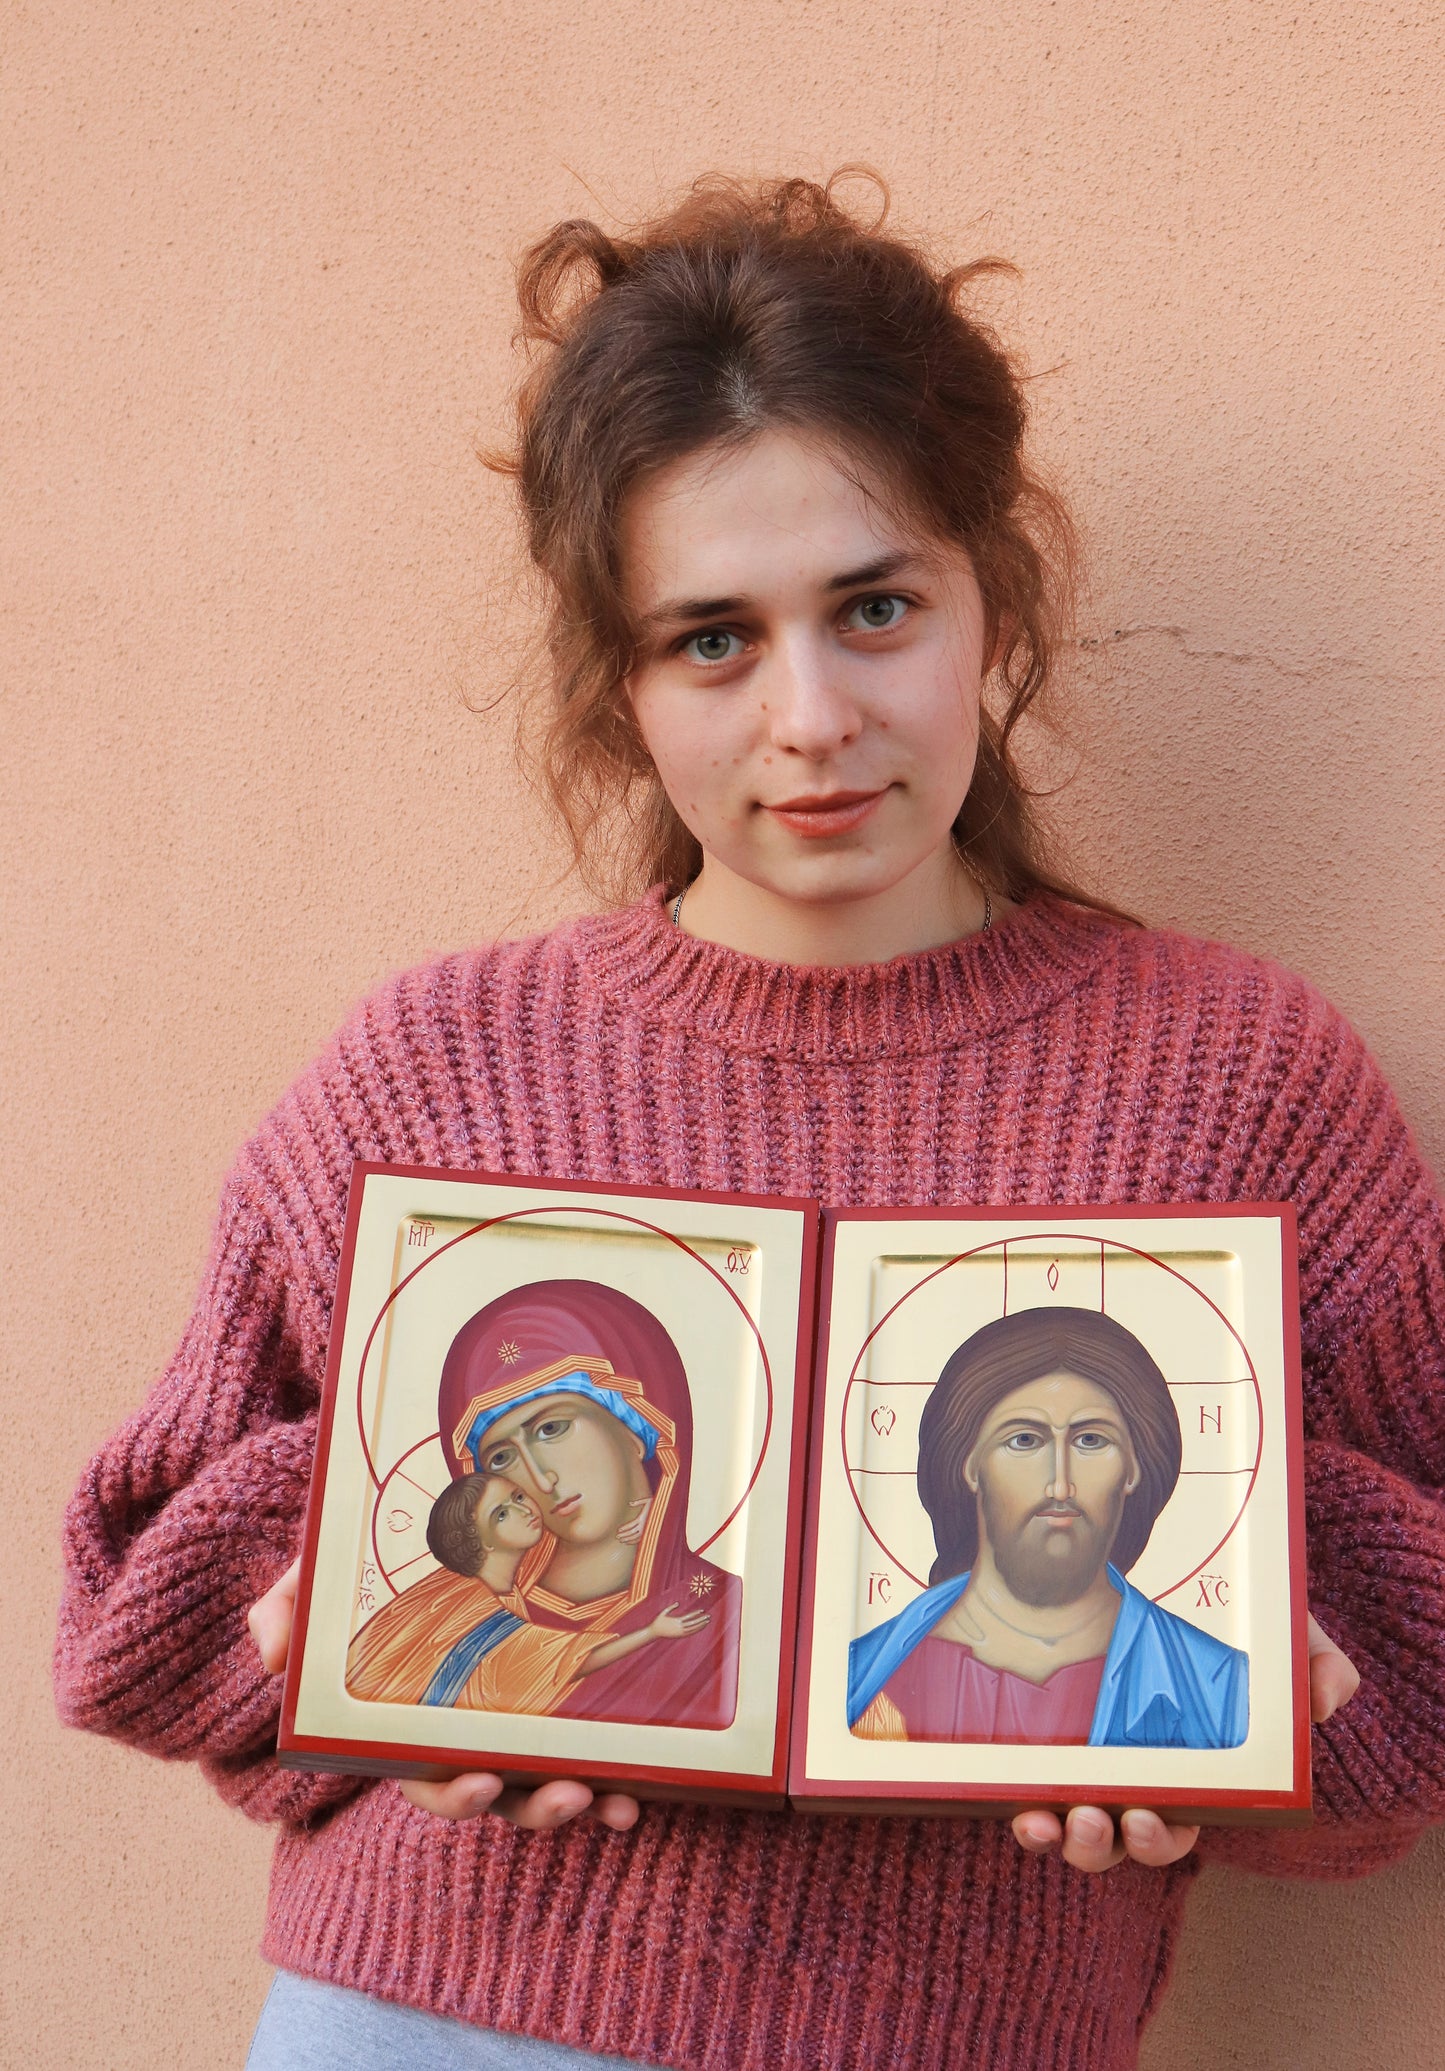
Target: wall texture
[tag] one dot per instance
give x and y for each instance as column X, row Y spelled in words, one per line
column 259, row 293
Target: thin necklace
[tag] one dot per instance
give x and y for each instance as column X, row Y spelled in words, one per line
column 987, row 909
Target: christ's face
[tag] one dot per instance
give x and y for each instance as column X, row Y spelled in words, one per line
column 580, row 1465
column 1051, row 1468
column 507, row 1520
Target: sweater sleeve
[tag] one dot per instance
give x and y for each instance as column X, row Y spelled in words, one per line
column 1372, row 1260
column 186, row 1516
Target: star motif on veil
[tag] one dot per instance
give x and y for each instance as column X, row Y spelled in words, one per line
column 509, row 1352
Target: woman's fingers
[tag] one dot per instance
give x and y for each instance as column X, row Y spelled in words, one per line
column 1038, row 1831
column 553, row 1804
column 461, row 1797
column 1334, row 1678
column 1090, row 1841
column 270, row 1619
column 616, row 1810
column 1152, row 1841
column 550, row 1805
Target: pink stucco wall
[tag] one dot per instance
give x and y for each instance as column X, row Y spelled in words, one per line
column 259, row 317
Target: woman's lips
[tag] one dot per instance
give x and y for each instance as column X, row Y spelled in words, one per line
column 831, row 813
column 566, row 1506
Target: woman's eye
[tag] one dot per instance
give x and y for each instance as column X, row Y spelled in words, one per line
column 877, row 614
column 553, row 1427
column 500, row 1459
column 713, row 646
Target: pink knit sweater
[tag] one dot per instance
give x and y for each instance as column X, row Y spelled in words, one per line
column 1059, row 1057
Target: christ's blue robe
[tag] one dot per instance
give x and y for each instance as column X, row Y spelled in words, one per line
column 1165, row 1683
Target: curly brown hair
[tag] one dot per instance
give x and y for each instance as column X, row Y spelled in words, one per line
column 452, row 1535
column 754, row 306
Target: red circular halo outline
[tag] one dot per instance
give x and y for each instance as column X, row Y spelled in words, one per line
column 1052, row 1237
column 522, row 1215
column 432, row 1437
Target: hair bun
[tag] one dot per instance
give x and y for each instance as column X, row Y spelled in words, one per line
column 563, row 272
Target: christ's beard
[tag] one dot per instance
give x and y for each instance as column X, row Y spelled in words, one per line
column 1046, row 1567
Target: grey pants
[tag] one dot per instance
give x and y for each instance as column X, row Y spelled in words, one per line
column 309, row 2027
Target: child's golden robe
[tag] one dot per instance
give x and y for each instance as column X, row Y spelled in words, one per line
column 396, row 1654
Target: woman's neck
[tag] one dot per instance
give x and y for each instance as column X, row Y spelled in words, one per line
column 936, row 904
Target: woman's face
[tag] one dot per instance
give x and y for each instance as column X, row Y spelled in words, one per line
column 809, row 677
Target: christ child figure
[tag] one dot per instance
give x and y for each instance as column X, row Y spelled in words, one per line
column 471, row 1645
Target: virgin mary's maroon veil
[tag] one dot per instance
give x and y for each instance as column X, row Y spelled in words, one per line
column 499, row 1355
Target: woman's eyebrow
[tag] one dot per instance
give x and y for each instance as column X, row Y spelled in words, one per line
column 673, row 609
column 882, row 569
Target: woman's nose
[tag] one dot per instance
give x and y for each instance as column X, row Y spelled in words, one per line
column 810, row 707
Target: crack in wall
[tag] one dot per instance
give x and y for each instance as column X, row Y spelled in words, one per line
column 1244, row 657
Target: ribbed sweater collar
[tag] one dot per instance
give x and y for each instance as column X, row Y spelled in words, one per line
column 923, row 1002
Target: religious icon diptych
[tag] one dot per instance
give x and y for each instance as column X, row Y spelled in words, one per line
column 1016, row 1518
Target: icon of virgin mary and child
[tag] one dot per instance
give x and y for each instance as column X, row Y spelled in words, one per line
column 1046, row 1452
column 566, row 1586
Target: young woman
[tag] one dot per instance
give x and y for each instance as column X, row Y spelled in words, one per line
column 803, row 585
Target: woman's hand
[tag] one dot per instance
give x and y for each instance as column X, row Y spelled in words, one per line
column 270, row 1619
column 1090, row 1841
column 1088, row 1835
column 464, row 1797
column 1334, row 1678
column 550, row 1805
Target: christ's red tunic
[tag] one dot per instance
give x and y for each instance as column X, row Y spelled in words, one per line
column 944, row 1693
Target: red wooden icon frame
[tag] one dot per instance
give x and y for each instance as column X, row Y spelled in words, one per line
column 1191, row 1803
column 399, row 1756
